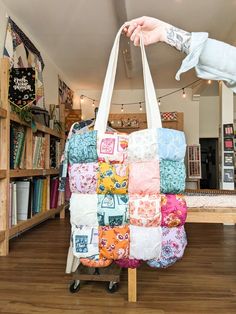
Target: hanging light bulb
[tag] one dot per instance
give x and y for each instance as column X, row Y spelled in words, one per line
column 159, row 102
column 122, row 108
column 209, row 82
column 81, row 99
column 184, row 94
column 93, row 103
column 140, row 106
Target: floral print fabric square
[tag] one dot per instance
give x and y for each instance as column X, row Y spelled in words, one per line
column 83, row 177
column 83, row 148
column 83, row 209
column 114, row 242
column 174, row 241
column 112, row 147
column 144, row 177
column 143, row 146
column 113, row 209
column 85, row 242
column 173, row 209
column 145, row 243
column 171, row 144
column 145, row 210
column 112, row 178
column 172, row 176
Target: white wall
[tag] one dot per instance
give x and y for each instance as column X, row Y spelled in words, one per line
column 50, row 72
column 173, row 102
column 209, row 116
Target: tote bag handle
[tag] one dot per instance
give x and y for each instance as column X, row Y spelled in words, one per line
column 152, row 108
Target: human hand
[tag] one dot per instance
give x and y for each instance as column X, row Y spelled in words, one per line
column 153, row 30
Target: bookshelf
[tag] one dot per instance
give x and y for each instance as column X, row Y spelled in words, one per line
column 27, row 171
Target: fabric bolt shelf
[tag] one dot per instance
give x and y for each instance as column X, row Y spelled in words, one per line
column 124, row 187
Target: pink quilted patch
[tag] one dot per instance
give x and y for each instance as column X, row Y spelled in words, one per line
column 173, row 209
column 144, row 177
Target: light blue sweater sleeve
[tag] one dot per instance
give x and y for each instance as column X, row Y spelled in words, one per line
column 212, row 59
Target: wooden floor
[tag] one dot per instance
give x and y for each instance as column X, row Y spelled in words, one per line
column 32, row 277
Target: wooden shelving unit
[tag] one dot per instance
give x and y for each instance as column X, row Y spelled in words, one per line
column 2, row 174
column 3, row 113
column 36, row 219
column 19, row 173
column 7, row 174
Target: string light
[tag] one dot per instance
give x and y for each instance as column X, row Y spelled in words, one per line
column 195, row 83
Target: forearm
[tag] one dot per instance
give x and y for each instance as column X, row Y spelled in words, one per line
column 177, row 38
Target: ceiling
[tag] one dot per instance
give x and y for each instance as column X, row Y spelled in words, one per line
column 78, row 35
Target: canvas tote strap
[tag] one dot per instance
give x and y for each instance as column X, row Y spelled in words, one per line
column 152, row 108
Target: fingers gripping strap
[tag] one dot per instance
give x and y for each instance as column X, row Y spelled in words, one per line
column 152, row 109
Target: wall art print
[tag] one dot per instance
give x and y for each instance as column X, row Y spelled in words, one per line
column 228, row 130
column 228, row 159
column 229, row 175
column 22, row 53
column 66, row 95
column 22, row 86
column 228, row 144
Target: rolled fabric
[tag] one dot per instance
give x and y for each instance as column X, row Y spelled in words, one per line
column 145, row 243
column 113, row 209
column 83, row 177
column 83, row 148
column 83, row 209
column 144, row 177
column 171, row 144
column 173, row 210
column 173, row 244
column 173, row 176
column 143, row 146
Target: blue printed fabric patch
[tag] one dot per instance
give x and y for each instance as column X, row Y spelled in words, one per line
column 81, row 243
column 112, row 209
column 171, row 144
column 173, row 176
column 83, row 148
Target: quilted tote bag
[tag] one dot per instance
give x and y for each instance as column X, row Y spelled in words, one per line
column 119, row 182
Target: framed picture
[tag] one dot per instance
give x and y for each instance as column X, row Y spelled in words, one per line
column 228, row 175
column 228, row 144
column 228, row 159
column 228, row 130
